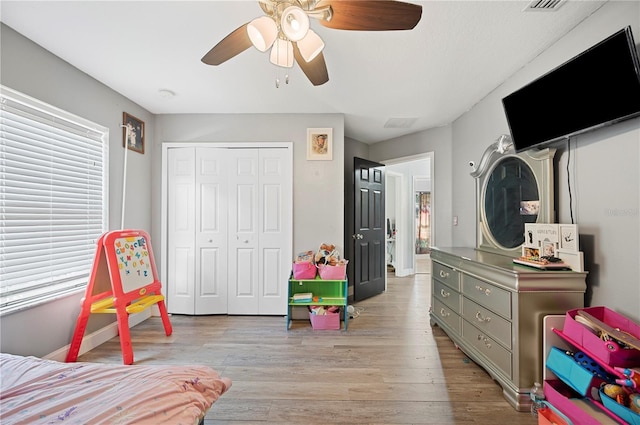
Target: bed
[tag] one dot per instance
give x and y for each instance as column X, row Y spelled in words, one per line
column 37, row 391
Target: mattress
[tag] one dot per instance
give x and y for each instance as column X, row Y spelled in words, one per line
column 38, row 391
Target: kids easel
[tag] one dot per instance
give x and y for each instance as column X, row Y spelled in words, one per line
column 123, row 281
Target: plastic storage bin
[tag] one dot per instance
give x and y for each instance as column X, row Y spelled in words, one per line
column 549, row 415
column 306, row 270
column 325, row 321
column 607, row 351
column 328, row 272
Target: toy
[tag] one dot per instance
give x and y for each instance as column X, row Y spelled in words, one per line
column 631, row 379
column 634, row 402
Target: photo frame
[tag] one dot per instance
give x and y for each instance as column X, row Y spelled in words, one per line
column 319, row 144
column 569, row 239
column 133, row 133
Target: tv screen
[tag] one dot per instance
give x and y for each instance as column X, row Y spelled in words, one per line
column 600, row 86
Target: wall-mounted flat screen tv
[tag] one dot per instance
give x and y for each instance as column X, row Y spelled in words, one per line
column 599, row 87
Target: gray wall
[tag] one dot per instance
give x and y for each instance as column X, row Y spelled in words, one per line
column 318, row 201
column 604, row 168
column 26, row 67
column 605, row 180
column 439, row 141
column 318, row 194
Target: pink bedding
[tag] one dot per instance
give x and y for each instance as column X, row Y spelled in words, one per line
column 37, row 391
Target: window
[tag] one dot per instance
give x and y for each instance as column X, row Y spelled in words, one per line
column 53, row 199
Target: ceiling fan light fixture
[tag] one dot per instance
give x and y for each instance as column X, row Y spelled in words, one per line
column 310, row 46
column 282, row 53
column 262, row 32
column 294, row 23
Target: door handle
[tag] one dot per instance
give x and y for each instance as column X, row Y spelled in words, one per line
column 357, row 236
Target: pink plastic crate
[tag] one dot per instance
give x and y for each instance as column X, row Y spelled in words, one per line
column 325, row 321
column 305, row 270
column 327, row 272
column 606, row 351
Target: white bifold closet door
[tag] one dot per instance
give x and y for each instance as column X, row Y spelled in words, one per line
column 229, row 230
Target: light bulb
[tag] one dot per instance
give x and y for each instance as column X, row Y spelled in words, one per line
column 294, row 23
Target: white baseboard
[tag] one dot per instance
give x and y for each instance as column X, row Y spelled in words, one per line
column 102, row 335
column 404, row 272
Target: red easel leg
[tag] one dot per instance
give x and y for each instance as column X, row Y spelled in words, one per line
column 125, row 335
column 165, row 318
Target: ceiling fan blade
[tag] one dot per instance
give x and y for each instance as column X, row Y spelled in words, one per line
column 233, row 44
column 316, row 70
column 371, row 15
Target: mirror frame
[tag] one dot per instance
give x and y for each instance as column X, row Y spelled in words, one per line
column 541, row 164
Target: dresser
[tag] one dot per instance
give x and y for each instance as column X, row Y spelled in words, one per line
column 492, row 310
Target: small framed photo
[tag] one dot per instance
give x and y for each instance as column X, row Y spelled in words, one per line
column 133, row 133
column 569, row 237
column 319, row 144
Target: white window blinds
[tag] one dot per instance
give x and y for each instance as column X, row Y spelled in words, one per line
column 53, row 199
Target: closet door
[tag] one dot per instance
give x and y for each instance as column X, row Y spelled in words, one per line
column 260, row 230
column 244, row 265
column 275, row 226
column 180, row 285
column 211, row 231
column 197, row 231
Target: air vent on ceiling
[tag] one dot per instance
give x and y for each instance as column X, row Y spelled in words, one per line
column 544, row 5
column 400, row 122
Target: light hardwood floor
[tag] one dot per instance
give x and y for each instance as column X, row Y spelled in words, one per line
column 390, row 367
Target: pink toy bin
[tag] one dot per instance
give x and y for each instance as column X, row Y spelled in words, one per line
column 607, row 351
column 325, row 321
column 328, row 272
column 306, row 270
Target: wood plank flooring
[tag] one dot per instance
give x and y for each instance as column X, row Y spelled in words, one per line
column 390, row 367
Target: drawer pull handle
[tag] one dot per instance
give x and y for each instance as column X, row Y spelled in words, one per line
column 444, row 293
column 485, row 340
column 444, row 274
column 480, row 318
column 486, row 291
column 444, row 313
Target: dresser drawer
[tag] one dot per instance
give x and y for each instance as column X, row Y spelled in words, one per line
column 496, row 354
column 446, row 275
column 487, row 295
column 446, row 295
column 444, row 314
column 487, row 321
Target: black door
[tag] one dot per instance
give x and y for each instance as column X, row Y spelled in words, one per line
column 369, row 231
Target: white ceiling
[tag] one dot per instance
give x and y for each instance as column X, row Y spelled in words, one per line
column 457, row 54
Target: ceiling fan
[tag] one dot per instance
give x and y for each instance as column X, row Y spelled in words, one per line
column 284, row 29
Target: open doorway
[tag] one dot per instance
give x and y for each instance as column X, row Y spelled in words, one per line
column 406, row 176
column 422, row 225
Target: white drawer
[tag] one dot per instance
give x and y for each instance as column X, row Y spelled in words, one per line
column 488, row 347
column 487, row 295
column 487, row 321
column 448, row 317
column 446, row 295
column 446, row 275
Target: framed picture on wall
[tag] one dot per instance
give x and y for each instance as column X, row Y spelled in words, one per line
column 133, row 133
column 319, row 144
